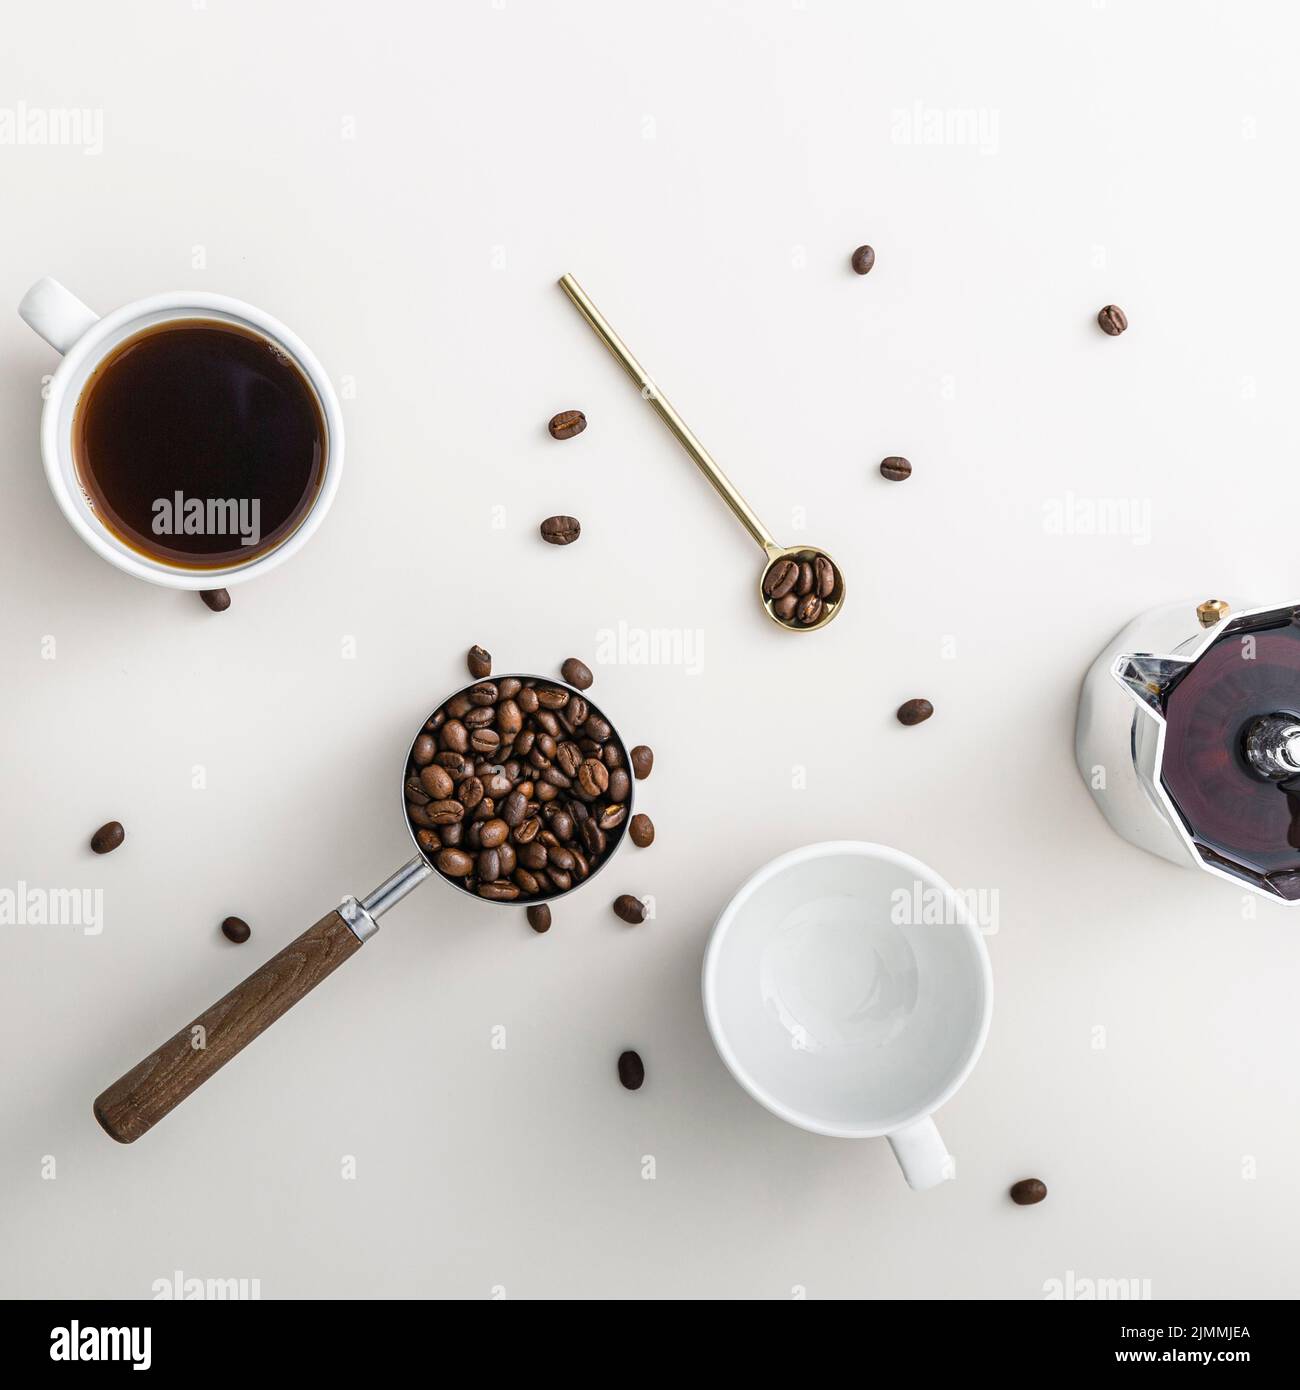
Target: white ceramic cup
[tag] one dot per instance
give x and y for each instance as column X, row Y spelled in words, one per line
column 85, row 339
column 836, row 1006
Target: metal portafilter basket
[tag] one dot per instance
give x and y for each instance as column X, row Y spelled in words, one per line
column 778, row 582
column 138, row 1099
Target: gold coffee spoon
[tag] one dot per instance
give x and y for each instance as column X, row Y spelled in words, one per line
column 788, row 569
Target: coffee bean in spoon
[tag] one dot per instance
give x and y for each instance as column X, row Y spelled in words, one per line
column 566, row 424
column 781, row 579
column 863, row 259
column 561, row 530
column 631, row 1071
column 914, row 711
column 1113, row 320
column 577, row 673
column 107, row 837
column 1028, row 1192
column 643, row 761
column 217, row 599
column 896, row 469
column 236, row 929
column 630, row 909
column 479, row 662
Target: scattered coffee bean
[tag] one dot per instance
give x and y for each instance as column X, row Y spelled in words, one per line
column 863, row 259
column 107, row 837
column 479, row 663
column 643, row 761
column 1028, row 1191
column 577, row 673
column 539, row 917
column 630, row 909
column 561, row 530
column 642, row 830
column 236, row 930
column 631, row 1071
column 567, row 423
column 526, row 793
column 914, row 711
column 896, row 469
column 216, row 599
column 799, row 590
column 1113, row 320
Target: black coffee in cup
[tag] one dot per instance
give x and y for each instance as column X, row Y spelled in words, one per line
column 200, row 443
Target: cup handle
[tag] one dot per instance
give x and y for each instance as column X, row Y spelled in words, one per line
column 921, row 1155
column 56, row 314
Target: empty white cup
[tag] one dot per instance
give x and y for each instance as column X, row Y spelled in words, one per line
column 848, row 990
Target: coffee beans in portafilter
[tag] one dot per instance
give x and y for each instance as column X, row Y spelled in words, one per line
column 479, row 662
column 107, row 837
column 800, row 589
column 560, row 530
column 517, row 789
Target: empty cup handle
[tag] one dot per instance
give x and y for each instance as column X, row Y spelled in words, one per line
column 921, row 1155
column 56, row 314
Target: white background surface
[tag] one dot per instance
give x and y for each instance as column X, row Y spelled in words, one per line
column 705, row 170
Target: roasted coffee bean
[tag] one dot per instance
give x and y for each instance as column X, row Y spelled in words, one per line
column 566, row 424
column 559, row 858
column 527, row 832
column 552, row 698
column 479, row 717
column 452, row 762
column 643, row 761
column 533, row 855
column 485, row 693
column 509, row 686
column 528, row 700
column 863, row 259
column 470, row 793
column 107, row 837
column 539, row 917
column 444, row 812
column 631, row 1071
column 914, row 711
column 806, row 580
column 429, row 841
column 593, row 837
column 561, row 822
column 436, row 780
column 488, row 740
column 454, row 736
column 415, row 792
column 217, row 599
column 568, row 758
column 612, row 817
column 1113, row 320
column 494, row 833
column 595, row 728
column 630, row 909
column 498, row 786
column 423, row 751
column 455, row 863
column 553, row 777
column 612, row 756
column 435, row 722
column 451, row 835
column 236, row 929
column 1028, row 1191
column 546, row 746
column 620, row 784
column 457, row 705
column 499, row 892
column 593, row 777
column 561, row 878
column 419, row 815
column 577, row 673
column 896, row 469
column 507, row 859
column 780, row 578
column 809, row 610
column 513, row 809
column 784, row 607
column 641, row 829
column 479, row 662
column 527, row 881
column 488, row 866
column 581, row 865
column 561, row 530
column 510, row 718
column 825, row 574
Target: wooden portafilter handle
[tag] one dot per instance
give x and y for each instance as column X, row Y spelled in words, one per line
column 136, row 1101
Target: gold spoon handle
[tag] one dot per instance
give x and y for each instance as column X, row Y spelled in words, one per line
column 650, row 392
